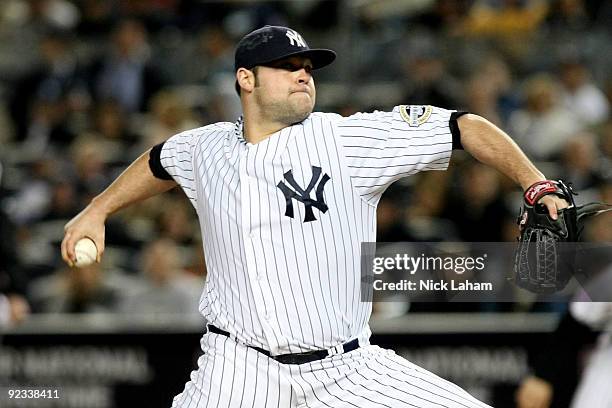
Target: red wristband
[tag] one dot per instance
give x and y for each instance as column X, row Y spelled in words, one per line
column 540, row 189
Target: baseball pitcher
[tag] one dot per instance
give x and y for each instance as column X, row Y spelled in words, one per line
column 285, row 196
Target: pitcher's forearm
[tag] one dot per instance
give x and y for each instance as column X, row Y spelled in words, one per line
column 135, row 184
column 491, row 146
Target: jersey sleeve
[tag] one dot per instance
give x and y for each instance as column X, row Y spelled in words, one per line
column 177, row 158
column 382, row 147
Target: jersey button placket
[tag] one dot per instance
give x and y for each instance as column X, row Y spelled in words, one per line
column 254, row 268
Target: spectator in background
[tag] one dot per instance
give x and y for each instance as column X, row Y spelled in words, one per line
column 391, row 215
column 31, row 200
column 568, row 17
column 505, row 17
column 22, row 25
column 205, row 61
column 477, row 208
column 14, row 308
column 177, row 221
column 425, row 208
column 75, row 290
column 580, row 162
column 581, row 95
column 512, row 24
column 63, row 203
column 481, row 98
column 219, row 75
column 570, row 32
column 90, row 159
column 125, row 74
column 445, row 15
column 168, row 115
column 58, row 13
column 46, row 99
column 167, row 288
column 109, row 127
column 553, row 380
column 544, row 125
column 110, row 123
column 490, row 90
column 219, row 48
column 155, row 14
column 97, row 19
column 426, row 79
column 209, row 54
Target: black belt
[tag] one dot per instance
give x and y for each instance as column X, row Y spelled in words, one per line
column 298, row 358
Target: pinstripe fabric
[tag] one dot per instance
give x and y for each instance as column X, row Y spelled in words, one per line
column 231, row 375
column 277, row 282
column 372, row 377
column 282, row 223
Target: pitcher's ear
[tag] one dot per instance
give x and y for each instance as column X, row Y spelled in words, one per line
column 245, row 79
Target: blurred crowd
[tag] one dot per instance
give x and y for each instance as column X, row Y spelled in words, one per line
column 86, row 86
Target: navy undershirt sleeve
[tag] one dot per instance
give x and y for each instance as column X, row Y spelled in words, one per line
column 155, row 163
column 454, row 127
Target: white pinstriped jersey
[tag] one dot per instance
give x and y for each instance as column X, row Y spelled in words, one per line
column 282, row 220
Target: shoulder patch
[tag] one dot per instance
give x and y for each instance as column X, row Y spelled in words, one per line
column 415, row 115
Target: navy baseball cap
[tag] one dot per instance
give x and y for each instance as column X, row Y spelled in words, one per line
column 272, row 43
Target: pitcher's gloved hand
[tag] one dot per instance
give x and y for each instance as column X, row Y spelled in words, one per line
column 544, row 260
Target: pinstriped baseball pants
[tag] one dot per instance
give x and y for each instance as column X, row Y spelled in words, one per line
column 231, row 375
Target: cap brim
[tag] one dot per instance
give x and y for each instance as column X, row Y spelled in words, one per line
column 320, row 57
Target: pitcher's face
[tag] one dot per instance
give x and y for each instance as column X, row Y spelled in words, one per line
column 285, row 90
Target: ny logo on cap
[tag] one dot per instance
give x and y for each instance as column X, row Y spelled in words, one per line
column 303, row 195
column 295, row 38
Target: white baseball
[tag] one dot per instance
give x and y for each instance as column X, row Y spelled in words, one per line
column 86, row 252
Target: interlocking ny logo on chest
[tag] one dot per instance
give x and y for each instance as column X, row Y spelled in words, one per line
column 295, row 191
